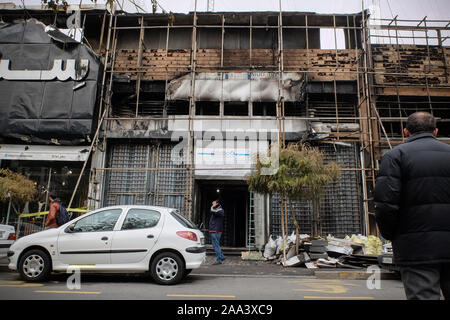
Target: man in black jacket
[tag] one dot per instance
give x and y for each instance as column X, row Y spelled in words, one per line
column 412, row 207
column 216, row 229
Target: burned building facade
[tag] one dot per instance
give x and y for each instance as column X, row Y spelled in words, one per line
column 188, row 100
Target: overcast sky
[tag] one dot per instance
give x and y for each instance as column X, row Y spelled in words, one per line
column 405, row 9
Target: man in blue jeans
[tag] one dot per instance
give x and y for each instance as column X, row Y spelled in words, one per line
column 216, row 229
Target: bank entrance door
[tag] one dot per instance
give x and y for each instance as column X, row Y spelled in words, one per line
column 234, row 198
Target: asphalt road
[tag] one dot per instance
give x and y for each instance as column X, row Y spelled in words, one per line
column 198, row 287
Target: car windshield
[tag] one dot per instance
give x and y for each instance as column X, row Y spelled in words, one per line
column 184, row 222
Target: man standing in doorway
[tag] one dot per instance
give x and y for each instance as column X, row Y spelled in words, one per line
column 412, row 207
column 53, row 213
column 216, row 229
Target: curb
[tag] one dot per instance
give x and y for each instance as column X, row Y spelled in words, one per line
column 355, row 275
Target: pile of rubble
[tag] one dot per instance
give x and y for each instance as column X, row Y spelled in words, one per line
column 353, row 252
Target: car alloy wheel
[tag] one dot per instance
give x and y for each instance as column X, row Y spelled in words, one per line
column 167, row 268
column 34, row 265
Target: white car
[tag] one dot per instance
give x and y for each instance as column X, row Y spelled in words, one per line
column 119, row 239
column 7, row 237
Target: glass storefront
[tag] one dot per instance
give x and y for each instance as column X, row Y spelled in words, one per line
column 48, row 176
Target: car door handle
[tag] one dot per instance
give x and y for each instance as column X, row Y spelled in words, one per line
column 150, row 236
column 105, row 238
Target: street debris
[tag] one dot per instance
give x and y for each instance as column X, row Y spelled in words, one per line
column 353, row 252
column 252, row 255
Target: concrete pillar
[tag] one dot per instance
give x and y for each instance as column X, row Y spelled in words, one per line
column 260, row 220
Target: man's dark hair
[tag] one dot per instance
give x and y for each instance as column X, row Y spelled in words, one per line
column 52, row 195
column 421, row 122
column 217, row 201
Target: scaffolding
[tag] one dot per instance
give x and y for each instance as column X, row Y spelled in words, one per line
column 390, row 81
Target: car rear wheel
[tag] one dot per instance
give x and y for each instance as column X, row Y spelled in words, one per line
column 167, row 268
column 34, row 265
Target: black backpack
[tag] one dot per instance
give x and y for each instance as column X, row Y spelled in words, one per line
column 63, row 216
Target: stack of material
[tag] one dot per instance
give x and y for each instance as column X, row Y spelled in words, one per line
column 339, row 247
column 317, row 249
column 361, row 261
column 297, row 260
column 327, row 263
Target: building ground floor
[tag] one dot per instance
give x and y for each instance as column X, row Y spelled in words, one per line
column 137, row 171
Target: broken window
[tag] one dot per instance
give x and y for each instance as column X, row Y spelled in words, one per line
column 265, row 109
column 235, row 108
column 293, row 109
column 207, row 108
column 178, row 108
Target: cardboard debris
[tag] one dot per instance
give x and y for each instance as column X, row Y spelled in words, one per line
column 354, row 247
column 331, row 252
column 305, row 257
column 334, row 250
column 311, row 265
column 327, row 263
column 292, row 262
column 292, row 251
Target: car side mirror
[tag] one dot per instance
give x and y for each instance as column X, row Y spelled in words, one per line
column 71, row 228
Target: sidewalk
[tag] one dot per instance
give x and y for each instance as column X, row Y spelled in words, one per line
column 235, row 266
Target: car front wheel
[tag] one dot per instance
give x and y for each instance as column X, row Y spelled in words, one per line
column 167, row 268
column 34, row 265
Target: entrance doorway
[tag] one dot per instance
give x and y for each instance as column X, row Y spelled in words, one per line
column 234, row 198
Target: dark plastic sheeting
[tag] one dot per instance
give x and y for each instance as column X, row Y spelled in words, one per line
column 45, row 109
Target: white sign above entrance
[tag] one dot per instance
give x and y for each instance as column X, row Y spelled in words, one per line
column 227, row 159
column 43, row 153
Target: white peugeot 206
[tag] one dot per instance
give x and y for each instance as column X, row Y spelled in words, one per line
column 119, row 239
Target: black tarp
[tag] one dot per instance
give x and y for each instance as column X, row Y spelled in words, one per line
column 44, row 110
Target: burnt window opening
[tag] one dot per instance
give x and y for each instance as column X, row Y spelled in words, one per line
column 124, row 104
column 267, row 109
column 294, row 109
column 391, row 111
column 207, row 108
column 178, row 108
column 326, row 105
column 151, row 104
column 235, row 108
column 150, row 109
